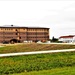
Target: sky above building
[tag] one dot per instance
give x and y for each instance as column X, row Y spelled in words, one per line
column 58, row 15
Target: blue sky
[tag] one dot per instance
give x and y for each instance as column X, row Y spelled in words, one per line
column 58, row 15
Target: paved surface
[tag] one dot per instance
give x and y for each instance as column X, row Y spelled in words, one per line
column 36, row 52
column 59, row 43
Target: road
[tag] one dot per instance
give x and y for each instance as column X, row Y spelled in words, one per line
column 36, row 52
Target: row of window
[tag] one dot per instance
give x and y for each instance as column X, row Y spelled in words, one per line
column 6, row 28
column 37, row 29
column 22, row 37
column 9, row 29
column 6, row 37
column 9, row 33
column 37, row 37
column 37, row 33
column 23, row 34
column 24, row 29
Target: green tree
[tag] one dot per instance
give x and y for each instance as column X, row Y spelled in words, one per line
column 54, row 39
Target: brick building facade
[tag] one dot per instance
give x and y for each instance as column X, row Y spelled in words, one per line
column 34, row 34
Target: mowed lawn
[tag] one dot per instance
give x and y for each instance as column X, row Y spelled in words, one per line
column 40, row 64
column 56, row 71
column 34, row 47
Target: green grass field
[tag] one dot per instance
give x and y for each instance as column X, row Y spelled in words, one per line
column 39, row 62
column 56, row 71
column 33, row 47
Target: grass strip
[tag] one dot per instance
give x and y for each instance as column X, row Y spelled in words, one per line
column 34, row 47
column 28, row 63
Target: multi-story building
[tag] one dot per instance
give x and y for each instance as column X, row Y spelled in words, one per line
column 20, row 34
column 67, row 39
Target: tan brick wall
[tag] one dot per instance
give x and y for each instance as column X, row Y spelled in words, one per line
column 24, row 34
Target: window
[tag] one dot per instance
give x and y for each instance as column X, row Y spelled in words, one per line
column 20, row 37
column 23, row 29
column 16, row 29
column 16, row 33
column 1, row 28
